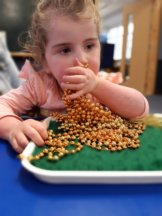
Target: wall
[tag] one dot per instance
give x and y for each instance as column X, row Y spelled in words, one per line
column 158, row 89
column 15, row 16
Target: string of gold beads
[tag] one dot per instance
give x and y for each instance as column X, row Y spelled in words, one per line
column 91, row 124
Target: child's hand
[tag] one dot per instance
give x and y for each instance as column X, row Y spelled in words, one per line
column 27, row 130
column 79, row 79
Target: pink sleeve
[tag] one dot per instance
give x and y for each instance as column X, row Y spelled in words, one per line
column 17, row 101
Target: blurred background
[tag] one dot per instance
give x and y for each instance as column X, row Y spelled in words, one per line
column 131, row 38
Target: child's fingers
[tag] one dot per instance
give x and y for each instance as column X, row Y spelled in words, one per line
column 22, row 140
column 36, row 127
column 72, row 86
column 75, row 70
column 76, row 94
column 74, row 79
column 46, row 122
column 35, row 136
column 17, row 146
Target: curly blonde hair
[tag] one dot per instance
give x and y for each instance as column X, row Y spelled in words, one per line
column 36, row 42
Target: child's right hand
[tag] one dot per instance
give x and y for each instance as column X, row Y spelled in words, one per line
column 24, row 131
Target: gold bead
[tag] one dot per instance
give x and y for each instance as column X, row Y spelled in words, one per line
column 91, row 124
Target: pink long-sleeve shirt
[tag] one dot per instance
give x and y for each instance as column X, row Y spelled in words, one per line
column 39, row 89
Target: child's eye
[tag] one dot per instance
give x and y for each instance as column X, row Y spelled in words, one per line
column 65, row 51
column 89, row 46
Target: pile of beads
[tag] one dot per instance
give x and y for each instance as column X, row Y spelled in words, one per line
column 91, row 124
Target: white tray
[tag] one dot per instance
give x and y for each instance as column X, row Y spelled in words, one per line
column 90, row 177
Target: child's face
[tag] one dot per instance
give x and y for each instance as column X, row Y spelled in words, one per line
column 71, row 43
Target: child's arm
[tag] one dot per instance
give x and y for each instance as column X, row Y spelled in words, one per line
column 16, row 102
column 126, row 102
column 19, row 133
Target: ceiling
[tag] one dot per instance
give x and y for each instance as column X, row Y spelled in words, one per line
column 111, row 12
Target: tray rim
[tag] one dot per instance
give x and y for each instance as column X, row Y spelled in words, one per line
column 97, row 177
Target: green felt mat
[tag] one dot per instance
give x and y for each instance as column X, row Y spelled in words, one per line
column 147, row 157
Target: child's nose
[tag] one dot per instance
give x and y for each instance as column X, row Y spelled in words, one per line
column 81, row 59
column 77, row 62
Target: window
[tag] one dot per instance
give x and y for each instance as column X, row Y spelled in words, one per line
column 115, row 36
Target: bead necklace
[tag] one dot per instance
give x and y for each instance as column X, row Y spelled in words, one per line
column 91, row 124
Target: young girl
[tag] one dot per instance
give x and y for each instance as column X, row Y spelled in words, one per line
column 66, row 49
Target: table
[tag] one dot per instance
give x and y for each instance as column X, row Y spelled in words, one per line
column 22, row 194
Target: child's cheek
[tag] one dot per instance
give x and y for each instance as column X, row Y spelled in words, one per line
column 96, row 63
column 60, row 77
column 57, row 75
column 95, row 68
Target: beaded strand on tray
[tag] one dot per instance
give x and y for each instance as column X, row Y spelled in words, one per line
column 91, row 124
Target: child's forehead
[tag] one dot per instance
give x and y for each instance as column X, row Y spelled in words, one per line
column 58, row 16
column 61, row 21
column 67, row 29
column 53, row 17
column 61, row 25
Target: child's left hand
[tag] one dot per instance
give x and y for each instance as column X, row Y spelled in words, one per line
column 79, row 79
